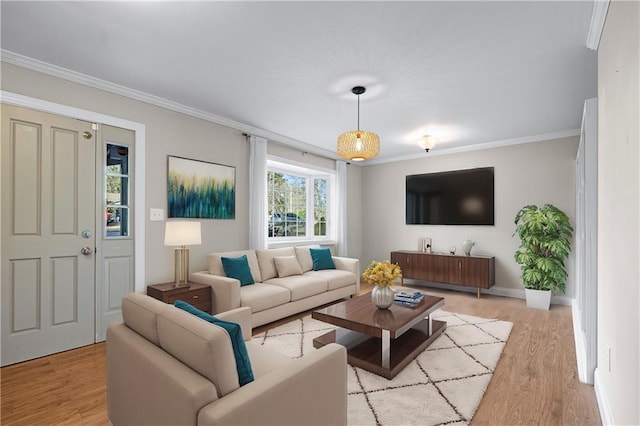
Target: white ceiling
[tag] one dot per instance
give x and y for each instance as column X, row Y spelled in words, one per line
column 471, row 73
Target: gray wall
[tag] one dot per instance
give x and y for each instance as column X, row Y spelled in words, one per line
column 534, row 173
column 618, row 371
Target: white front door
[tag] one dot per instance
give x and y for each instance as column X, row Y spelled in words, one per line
column 48, row 234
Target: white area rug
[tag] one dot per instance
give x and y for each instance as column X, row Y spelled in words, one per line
column 443, row 385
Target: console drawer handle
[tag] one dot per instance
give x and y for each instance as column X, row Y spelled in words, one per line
column 195, row 296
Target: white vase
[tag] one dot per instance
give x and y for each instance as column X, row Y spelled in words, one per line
column 467, row 245
column 382, row 296
column 538, row 299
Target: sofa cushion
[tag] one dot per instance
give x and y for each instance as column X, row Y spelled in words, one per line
column 139, row 313
column 304, row 256
column 261, row 296
column 301, row 286
column 204, row 347
column 238, row 268
column 243, row 364
column 321, row 259
column 267, row 265
column 335, row 278
column 215, row 263
column 287, row 266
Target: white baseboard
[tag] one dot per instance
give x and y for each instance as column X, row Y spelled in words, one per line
column 581, row 346
column 603, row 402
column 496, row 291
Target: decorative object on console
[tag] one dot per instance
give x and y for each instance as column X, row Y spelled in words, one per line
column 452, row 250
column 425, row 245
column 382, row 275
column 358, row 145
column 198, row 189
column 467, row 245
column 182, row 234
column 427, row 142
column 545, row 243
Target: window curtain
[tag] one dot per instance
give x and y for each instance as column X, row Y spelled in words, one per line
column 341, row 187
column 257, row 193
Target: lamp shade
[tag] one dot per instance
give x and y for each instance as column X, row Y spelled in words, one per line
column 358, row 145
column 182, row 233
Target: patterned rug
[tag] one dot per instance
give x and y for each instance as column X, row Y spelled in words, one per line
column 442, row 386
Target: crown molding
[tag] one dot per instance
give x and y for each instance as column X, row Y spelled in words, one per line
column 598, row 17
column 477, row 147
column 106, row 86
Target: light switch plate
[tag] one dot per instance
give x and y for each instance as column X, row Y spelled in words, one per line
column 156, row 214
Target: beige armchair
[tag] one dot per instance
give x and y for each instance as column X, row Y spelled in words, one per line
column 168, row 367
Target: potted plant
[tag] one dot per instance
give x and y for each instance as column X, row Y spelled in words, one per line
column 545, row 242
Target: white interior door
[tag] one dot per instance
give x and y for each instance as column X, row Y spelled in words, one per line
column 48, row 227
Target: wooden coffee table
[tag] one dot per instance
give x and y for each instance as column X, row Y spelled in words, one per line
column 382, row 341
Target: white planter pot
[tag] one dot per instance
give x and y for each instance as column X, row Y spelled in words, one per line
column 538, row 299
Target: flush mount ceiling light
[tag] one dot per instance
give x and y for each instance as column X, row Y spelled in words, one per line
column 427, row 142
column 358, row 145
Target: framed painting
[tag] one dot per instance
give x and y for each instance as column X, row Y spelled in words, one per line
column 198, row 189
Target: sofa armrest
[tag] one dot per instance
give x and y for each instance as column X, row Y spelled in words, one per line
column 349, row 264
column 311, row 390
column 225, row 292
column 147, row 386
column 241, row 316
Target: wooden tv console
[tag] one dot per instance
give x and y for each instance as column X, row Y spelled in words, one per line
column 468, row 271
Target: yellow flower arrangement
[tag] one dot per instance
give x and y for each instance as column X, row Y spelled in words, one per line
column 382, row 273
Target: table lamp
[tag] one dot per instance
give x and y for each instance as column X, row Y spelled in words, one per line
column 182, row 234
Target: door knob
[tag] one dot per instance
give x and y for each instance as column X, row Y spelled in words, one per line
column 86, row 250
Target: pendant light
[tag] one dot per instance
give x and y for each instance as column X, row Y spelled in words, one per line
column 358, row 145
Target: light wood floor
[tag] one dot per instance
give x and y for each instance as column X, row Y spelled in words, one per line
column 535, row 381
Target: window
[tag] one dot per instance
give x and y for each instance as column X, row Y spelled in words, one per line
column 299, row 202
column 116, row 207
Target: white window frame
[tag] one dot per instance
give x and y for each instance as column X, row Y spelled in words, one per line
column 280, row 165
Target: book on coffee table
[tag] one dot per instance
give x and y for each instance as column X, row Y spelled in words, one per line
column 410, row 299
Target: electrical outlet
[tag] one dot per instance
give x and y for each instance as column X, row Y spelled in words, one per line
column 156, row 214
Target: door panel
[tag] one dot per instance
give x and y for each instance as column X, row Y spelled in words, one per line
column 48, row 199
column 25, row 302
column 115, row 258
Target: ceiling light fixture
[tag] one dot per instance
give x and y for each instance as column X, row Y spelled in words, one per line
column 427, row 142
column 358, row 145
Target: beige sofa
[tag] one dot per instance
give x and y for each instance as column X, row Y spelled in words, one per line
column 168, row 367
column 273, row 296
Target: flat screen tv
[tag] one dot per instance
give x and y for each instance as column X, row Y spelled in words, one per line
column 460, row 197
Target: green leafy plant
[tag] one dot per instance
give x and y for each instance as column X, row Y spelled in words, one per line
column 545, row 242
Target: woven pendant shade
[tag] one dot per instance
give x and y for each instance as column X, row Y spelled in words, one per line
column 350, row 148
column 358, row 145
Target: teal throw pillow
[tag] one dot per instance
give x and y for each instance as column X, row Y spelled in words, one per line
column 243, row 363
column 321, row 259
column 238, row 268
